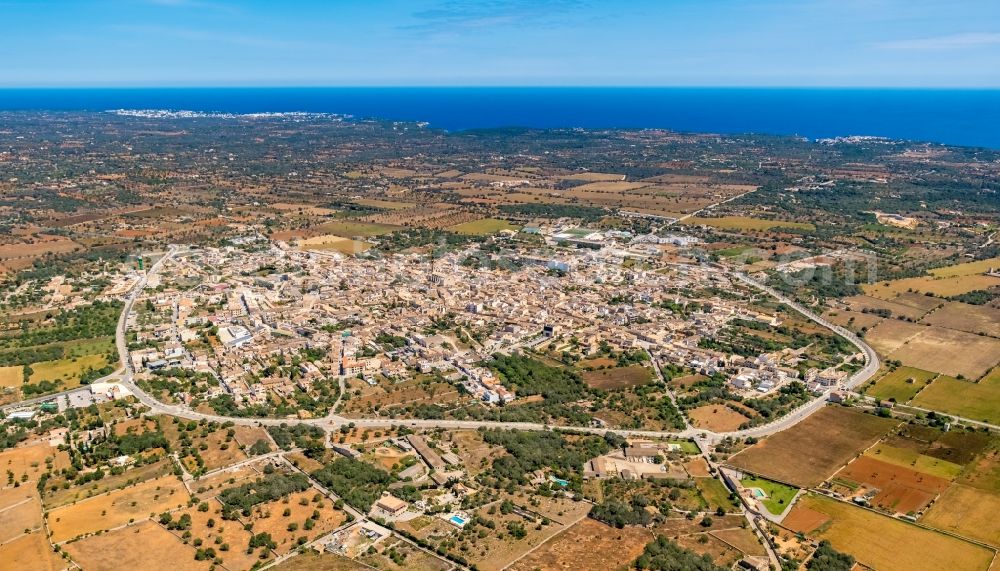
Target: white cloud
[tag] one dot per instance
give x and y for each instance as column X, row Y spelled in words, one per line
column 950, row 42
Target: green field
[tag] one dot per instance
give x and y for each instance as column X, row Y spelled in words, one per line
column 715, row 493
column 482, row 227
column 976, row 401
column 779, row 496
column 895, row 386
column 68, row 370
column 914, row 460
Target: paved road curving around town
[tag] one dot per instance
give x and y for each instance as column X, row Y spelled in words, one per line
column 332, row 422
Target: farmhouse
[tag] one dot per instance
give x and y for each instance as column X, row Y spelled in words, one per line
column 391, row 505
column 641, row 454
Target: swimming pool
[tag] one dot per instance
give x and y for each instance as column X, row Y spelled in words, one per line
column 560, row 481
column 457, row 520
column 759, row 493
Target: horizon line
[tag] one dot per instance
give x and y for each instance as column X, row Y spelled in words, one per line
column 513, row 86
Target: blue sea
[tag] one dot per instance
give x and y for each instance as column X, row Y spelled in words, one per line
column 960, row 117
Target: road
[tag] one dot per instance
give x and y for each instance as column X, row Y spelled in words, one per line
column 333, row 422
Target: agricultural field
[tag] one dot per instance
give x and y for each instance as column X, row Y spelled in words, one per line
column 20, row 511
column 314, row 561
column 716, row 417
column 854, row 320
column 724, row 540
column 940, row 287
column 220, row 532
column 116, row 508
column 913, row 458
column 56, row 495
column 141, row 546
column 891, row 334
column 973, row 400
column 324, row 242
column 594, row 177
column 11, row 377
column 408, row 393
column 482, row 227
column 601, row 546
column 968, row 354
column 301, row 506
column 809, row 452
column 932, row 451
column 66, row 370
column 493, row 553
column 202, row 447
column 618, row 377
column 900, row 490
column 394, row 550
column 900, row 385
column 744, row 223
column 906, row 306
column 28, row 461
column 966, row 269
column 476, row 454
column 716, row 494
column 351, row 229
column 964, row 317
column 384, row 204
column 968, row 511
column 875, row 540
column 32, row 552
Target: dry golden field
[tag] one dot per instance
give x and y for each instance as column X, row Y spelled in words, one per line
column 965, row 317
column 590, row 541
column 145, row 546
column 942, row 287
column 116, row 508
column 877, row 541
column 30, row 552
column 949, row 352
column 269, row 517
column 716, row 417
column 891, row 334
column 967, row 511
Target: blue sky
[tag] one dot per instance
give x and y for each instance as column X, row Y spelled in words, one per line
column 932, row 43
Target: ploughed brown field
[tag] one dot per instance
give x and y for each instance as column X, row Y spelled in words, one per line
column 809, row 452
